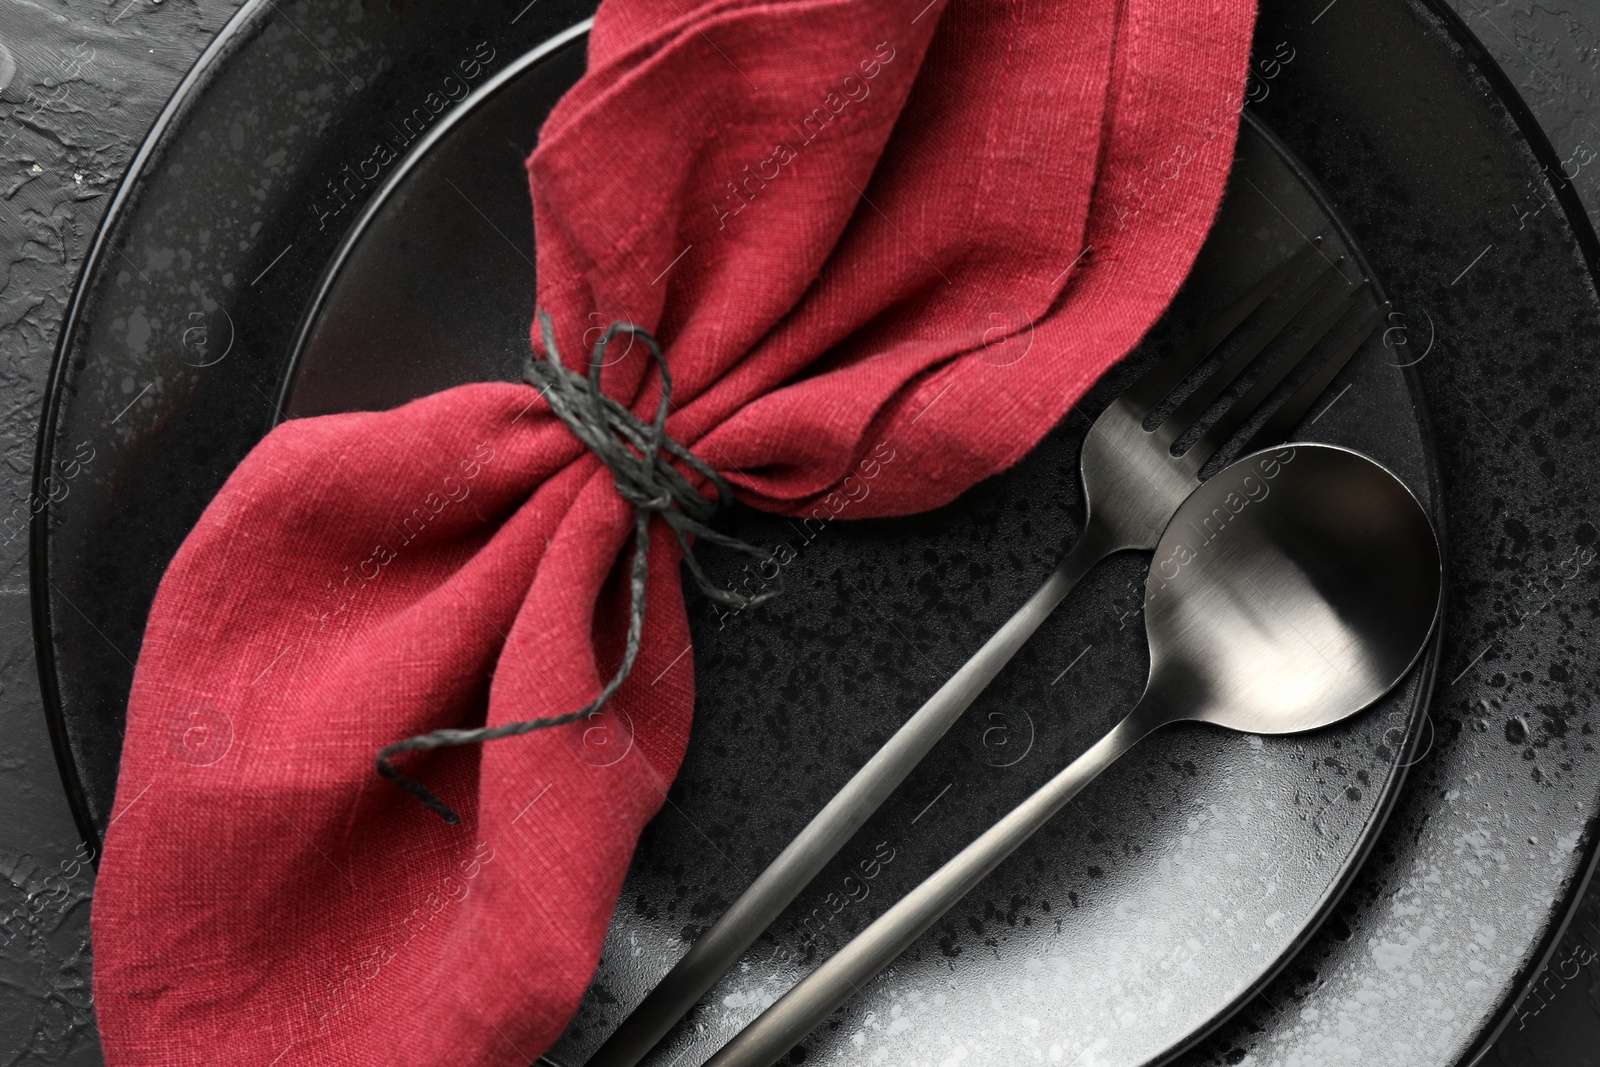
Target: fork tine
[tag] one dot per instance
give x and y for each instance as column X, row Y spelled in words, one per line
column 1277, row 429
column 1164, row 377
column 1239, row 412
column 1195, row 404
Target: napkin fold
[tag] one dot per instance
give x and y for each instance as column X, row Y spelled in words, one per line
column 884, row 246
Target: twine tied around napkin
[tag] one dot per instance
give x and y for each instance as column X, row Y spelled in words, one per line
column 632, row 450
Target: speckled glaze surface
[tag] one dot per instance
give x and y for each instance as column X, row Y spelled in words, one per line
column 1396, row 964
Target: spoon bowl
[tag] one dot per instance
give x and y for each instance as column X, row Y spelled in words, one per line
column 1290, row 591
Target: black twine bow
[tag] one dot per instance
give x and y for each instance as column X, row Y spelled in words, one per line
column 639, row 455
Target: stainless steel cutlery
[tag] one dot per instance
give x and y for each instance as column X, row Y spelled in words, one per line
column 1290, row 591
column 1133, row 484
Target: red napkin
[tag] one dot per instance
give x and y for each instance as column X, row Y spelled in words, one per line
column 889, row 238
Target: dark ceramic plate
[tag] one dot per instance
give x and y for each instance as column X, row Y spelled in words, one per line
column 1237, row 846
column 1179, row 883
column 221, row 242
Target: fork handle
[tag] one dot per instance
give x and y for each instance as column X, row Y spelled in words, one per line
column 808, row 1005
column 720, row 947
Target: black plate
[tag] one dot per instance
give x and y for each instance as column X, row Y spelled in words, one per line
column 256, row 320
column 432, row 267
column 430, row 289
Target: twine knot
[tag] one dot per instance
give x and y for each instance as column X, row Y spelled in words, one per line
column 640, row 457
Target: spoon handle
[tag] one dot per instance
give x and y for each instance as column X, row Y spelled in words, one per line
column 806, row 1006
column 720, row 947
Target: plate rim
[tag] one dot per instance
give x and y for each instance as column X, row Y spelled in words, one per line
column 234, row 33
column 413, row 157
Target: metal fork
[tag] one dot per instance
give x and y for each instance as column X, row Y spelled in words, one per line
column 1133, row 483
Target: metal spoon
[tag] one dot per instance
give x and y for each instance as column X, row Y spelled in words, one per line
column 1290, row 591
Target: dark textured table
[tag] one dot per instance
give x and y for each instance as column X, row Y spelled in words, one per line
column 80, row 82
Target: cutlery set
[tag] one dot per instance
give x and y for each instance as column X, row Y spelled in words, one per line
column 1287, row 591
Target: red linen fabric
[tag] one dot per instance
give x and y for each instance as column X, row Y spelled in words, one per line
column 853, row 227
